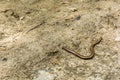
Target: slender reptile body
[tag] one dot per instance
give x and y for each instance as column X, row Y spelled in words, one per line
column 92, row 51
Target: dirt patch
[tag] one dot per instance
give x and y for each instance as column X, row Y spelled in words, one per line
column 35, row 53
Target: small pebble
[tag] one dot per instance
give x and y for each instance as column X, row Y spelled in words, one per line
column 3, row 48
column 117, row 38
column 4, row 59
column 78, row 17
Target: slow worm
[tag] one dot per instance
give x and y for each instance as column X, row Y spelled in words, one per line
column 92, row 51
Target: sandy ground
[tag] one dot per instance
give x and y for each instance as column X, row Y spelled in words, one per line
column 35, row 53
